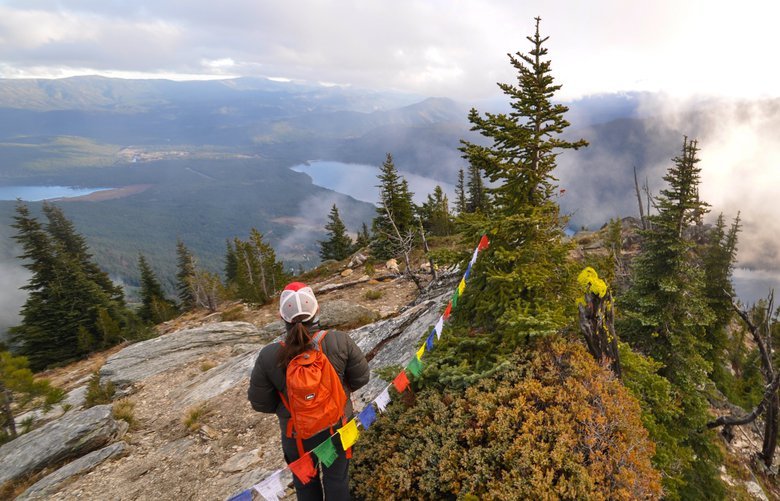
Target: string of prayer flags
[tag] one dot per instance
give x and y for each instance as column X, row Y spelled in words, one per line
column 420, row 352
column 401, row 382
column 242, row 496
column 271, row 488
column 326, row 452
column 429, row 341
column 303, row 468
column 439, row 327
column 349, row 434
column 461, row 286
column 382, row 400
column 415, row 367
column 455, row 297
column 367, row 416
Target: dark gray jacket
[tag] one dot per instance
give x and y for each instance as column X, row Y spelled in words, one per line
column 268, row 378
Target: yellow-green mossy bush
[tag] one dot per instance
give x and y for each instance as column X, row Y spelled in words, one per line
column 555, row 426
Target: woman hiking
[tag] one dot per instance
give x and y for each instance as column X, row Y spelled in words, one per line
column 307, row 380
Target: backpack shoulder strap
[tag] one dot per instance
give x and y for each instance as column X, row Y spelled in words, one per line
column 317, row 339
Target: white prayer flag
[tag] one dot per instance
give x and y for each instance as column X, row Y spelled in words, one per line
column 474, row 257
column 438, row 328
column 382, row 400
column 271, row 488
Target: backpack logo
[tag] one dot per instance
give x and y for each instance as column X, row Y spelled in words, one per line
column 310, row 396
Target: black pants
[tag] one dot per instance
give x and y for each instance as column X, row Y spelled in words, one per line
column 335, row 478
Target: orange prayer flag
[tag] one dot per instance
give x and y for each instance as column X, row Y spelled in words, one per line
column 303, row 468
column 401, row 382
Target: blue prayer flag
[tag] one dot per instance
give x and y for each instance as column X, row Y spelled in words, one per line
column 367, row 415
column 429, row 341
column 242, row 496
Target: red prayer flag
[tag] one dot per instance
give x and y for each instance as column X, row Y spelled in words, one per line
column 401, row 382
column 303, row 468
column 483, row 243
column 447, row 311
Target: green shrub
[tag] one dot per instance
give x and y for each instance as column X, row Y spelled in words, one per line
column 194, row 416
column 373, row 295
column 124, row 409
column 557, row 425
column 98, row 394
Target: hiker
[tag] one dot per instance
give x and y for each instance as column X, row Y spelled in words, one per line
column 277, row 383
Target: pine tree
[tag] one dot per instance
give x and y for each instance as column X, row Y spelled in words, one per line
column 435, row 213
column 74, row 245
column 666, row 316
column 231, row 263
column 186, row 271
column 258, row 274
column 523, row 283
column 61, row 319
column 477, row 199
column 155, row 308
column 363, row 238
column 460, row 193
column 338, row 245
column 395, row 198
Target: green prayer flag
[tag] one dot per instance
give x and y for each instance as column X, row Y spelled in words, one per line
column 455, row 298
column 415, row 367
column 326, row 452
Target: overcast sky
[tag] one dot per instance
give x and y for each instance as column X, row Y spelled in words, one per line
column 443, row 48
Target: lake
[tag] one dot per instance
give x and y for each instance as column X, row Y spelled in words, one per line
column 38, row 193
column 360, row 180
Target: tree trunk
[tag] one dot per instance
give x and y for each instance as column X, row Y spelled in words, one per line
column 597, row 318
column 7, row 398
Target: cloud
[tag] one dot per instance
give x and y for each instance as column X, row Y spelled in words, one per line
column 11, row 297
column 437, row 48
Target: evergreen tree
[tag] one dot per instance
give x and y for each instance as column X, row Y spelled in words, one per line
column 460, row 193
column 477, row 193
column 74, row 245
column 258, row 274
column 363, row 238
column 338, row 246
column 61, row 319
column 666, row 317
column 155, row 308
column 523, row 284
column 231, row 263
column 395, row 198
column 186, row 272
column 435, row 213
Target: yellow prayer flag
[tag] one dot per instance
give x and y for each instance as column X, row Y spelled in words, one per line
column 349, row 434
column 420, row 352
column 461, row 286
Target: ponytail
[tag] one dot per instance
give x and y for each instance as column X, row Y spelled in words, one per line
column 296, row 342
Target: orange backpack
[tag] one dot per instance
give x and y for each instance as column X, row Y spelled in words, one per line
column 315, row 396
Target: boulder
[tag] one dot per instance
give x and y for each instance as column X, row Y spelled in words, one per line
column 346, row 273
column 49, row 484
column 357, row 260
column 425, row 267
column 147, row 358
column 74, row 434
column 392, row 266
column 340, row 313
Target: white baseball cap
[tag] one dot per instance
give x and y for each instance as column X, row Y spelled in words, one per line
column 297, row 303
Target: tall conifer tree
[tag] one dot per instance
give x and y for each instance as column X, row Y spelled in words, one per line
column 460, row 193
column 395, row 198
column 338, row 245
column 666, row 315
column 186, row 273
column 155, row 308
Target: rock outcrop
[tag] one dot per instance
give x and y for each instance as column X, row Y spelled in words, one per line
column 147, row 358
column 49, row 484
column 74, row 434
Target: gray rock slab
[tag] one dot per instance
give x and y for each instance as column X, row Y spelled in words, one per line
column 338, row 312
column 74, row 400
column 240, row 462
column 147, row 358
column 216, row 381
column 51, row 483
column 74, row 434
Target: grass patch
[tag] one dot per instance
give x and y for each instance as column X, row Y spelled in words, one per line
column 373, row 295
column 207, row 365
column 194, row 417
column 233, row 314
column 124, row 409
